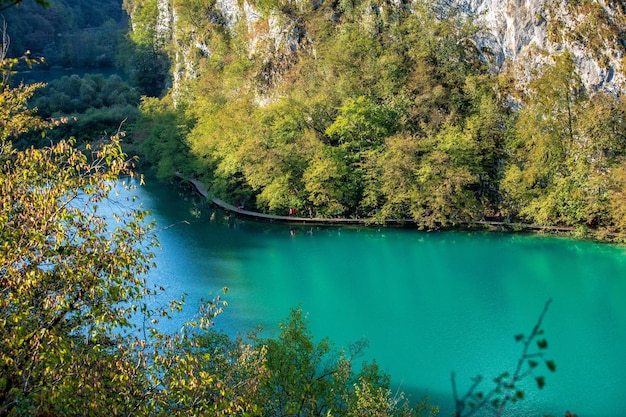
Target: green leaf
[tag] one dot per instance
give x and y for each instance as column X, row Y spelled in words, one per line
column 541, row 382
column 542, row 344
column 551, row 365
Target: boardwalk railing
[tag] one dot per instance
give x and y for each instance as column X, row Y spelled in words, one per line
column 201, row 189
column 504, row 225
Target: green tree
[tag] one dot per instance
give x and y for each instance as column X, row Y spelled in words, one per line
column 159, row 135
column 361, row 124
column 143, row 54
column 69, row 281
column 565, row 151
column 89, row 107
column 298, row 381
column 15, row 117
column 329, row 182
column 68, row 33
column 275, row 155
column 545, row 142
column 429, row 179
column 311, row 378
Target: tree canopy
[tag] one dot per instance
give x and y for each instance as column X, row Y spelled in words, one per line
column 382, row 111
column 68, row 33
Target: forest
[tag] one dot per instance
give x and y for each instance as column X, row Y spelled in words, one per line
column 68, row 33
column 384, row 111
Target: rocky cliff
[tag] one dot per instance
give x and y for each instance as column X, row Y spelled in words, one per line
column 517, row 30
column 520, row 35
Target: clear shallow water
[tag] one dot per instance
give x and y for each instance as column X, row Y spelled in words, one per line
column 429, row 303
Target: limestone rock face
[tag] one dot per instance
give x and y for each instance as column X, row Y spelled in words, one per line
column 515, row 30
column 512, row 24
column 520, row 35
column 165, row 19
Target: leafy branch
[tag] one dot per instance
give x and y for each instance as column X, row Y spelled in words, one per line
column 506, row 387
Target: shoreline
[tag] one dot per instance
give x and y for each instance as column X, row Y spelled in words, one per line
column 504, row 226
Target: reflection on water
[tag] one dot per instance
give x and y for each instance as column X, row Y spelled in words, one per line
column 429, row 303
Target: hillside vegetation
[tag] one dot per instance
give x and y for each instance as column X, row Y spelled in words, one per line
column 380, row 110
column 68, row 33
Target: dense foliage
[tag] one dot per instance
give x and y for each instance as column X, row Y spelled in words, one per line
column 89, row 107
column 68, row 33
column 379, row 110
column 143, row 55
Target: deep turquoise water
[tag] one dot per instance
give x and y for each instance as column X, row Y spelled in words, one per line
column 429, row 303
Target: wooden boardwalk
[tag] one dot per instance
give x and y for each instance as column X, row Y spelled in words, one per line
column 499, row 225
column 201, row 189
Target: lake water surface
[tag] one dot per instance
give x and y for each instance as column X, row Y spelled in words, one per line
column 429, row 303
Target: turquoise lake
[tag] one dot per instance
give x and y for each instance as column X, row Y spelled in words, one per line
column 428, row 303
